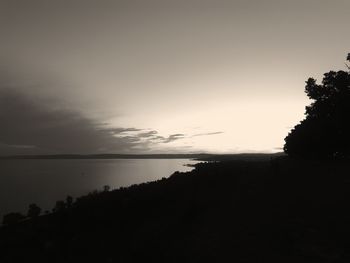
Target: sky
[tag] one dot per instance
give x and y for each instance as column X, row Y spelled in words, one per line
column 147, row 76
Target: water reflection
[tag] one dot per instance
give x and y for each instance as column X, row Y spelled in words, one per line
column 46, row 181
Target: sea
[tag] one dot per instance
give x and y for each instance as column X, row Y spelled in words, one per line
column 45, row 181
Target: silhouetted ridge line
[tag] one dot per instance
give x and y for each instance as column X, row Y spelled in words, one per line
column 276, row 210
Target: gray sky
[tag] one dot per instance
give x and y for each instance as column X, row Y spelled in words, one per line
column 161, row 76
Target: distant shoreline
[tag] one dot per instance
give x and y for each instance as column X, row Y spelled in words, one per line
column 282, row 210
column 201, row 157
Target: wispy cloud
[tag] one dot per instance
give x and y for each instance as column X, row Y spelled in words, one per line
column 32, row 127
column 148, row 134
column 207, row 134
column 121, row 130
column 174, row 137
column 153, row 137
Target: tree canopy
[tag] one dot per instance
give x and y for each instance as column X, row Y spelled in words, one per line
column 33, row 211
column 325, row 132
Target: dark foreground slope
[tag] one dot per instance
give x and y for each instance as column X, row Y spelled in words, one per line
column 233, row 211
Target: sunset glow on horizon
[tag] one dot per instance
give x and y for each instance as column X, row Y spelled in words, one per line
column 162, row 76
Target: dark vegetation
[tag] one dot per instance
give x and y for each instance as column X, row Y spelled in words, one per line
column 324, row 133
column 278, row 210
column 233, row 209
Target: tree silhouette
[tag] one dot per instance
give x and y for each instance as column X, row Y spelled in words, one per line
column 33, row 211
column 325, row 132
column 59, row 207
column 106, row 188
column 69, row 201
column 12, row 218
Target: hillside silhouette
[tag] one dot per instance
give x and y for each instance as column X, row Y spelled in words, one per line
column 244, row 208
column 258, row 210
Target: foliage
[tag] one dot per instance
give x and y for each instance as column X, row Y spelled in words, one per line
column 324, row 133
column 277, row 210
column 106, row 188
column 33, row 211
column 12, row 218
column 69, row 201
column 59, row 207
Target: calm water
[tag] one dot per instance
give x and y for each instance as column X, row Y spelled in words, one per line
column 45, row 181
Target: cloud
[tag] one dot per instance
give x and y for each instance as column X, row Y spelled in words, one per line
column 208, row 133
column 121, row 130
column 174, row 137
column 152, row 137
column 29, row 126
column 149, row 134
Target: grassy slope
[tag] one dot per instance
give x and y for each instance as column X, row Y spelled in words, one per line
column 254, row 210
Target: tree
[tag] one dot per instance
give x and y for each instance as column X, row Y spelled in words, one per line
column 325, row 132
column 59, row 207
column 12, row 218
column 69, row 201
column 33, row 211
column 106, row 188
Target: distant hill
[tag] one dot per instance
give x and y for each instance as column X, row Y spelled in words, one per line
column 199, row 156
column 108, row 156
